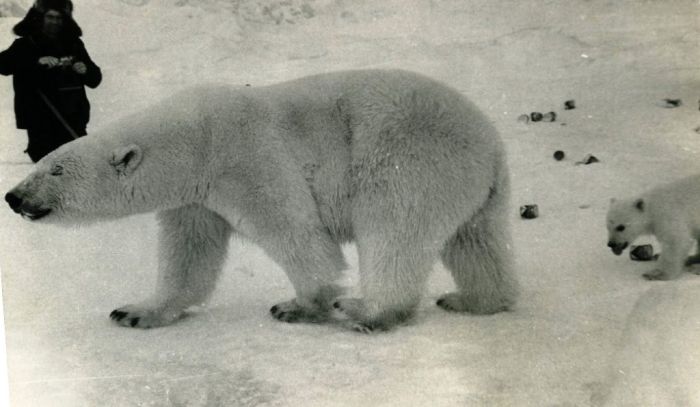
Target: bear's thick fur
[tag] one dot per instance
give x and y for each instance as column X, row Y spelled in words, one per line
column 399, row 163
column 671, row 213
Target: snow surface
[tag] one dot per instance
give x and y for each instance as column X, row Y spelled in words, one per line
column 588, row 328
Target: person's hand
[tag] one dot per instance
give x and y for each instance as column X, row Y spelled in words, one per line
column 80, row 68
column 49, row 62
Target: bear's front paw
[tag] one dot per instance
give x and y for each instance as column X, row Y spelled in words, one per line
column 354, row 310
column 291, row 311
column 141, row 317
column 366, row 319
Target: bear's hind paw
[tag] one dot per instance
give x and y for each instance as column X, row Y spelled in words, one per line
column 455, row 302
column 137, row 317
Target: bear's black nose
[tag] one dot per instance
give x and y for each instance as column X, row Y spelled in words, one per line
column 14, row 201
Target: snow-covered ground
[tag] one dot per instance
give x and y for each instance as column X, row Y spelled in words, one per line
column 588, row 328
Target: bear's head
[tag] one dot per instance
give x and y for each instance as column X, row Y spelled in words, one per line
column 161, row 157
column 626, row 221
column 81, row 182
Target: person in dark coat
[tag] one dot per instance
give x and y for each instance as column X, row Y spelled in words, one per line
column 50, row 68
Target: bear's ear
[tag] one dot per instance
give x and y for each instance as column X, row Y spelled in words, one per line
column 126, row 159
column 639, row 204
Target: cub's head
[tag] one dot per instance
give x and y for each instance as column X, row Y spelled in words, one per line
column 81, row 182
column 626, row 221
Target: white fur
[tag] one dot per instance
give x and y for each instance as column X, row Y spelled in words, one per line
column 394, row 161
column 671, row 213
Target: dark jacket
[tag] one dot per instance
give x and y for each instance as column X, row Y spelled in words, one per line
column 61, row 85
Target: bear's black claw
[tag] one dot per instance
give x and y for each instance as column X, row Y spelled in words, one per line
column 363, row 328
column 117, row 315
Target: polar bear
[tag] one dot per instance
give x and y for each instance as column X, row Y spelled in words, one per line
column 671, row 213
column 402, row 165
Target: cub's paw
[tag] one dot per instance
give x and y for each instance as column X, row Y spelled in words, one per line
column 456, row 302
column 657, row 275
column 291, row 311
column 135, row 316
column 692, row 260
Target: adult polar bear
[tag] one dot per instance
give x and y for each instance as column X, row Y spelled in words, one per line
column 399, row 163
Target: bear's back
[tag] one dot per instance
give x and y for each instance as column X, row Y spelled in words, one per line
column 678, row 199
column 396, row 99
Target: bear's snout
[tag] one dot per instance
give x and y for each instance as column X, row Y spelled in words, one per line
column 14, row 201
column 617, row 248
column 24, row 207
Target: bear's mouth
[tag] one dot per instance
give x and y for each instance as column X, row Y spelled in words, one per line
column 35, row 214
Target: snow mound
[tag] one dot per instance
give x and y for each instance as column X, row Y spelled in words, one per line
column 658, row 361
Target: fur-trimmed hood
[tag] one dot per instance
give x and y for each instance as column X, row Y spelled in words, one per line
column 32, row 22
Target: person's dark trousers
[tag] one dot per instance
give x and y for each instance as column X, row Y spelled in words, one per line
column 42, row 142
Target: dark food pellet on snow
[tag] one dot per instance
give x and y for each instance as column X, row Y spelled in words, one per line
column 536, row 116
column 589, row 159
column 671, row 103
column 569, row 104
column 529, row 211
column 559, row 155
column 643, row 252
column 549, row 117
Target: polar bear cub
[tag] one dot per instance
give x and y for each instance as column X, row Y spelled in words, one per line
column 671, row 213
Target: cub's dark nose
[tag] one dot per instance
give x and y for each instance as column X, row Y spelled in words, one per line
column 617, row 248
column 14, row 201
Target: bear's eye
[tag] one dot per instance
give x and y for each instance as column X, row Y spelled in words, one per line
column 620, row 228
column 57, row 170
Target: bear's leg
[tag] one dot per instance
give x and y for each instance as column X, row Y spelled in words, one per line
column 313, row 263
column 480, row 258
column 675, row 245
column 283, row 219
column 393, row 271
column 398, row 241
column 192, row 247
